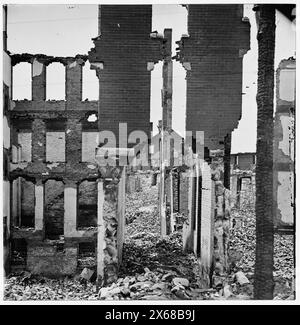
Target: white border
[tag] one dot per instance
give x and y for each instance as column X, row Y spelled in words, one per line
column 165, row 302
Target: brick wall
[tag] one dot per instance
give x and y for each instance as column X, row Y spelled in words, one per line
column 214, row 50
column 56, row 129
column 124, row 48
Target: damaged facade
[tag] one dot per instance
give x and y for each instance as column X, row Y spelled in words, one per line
column 212, row 54
column 284, row 146
column 48, row 172
column 60, row 202
column 63, row 203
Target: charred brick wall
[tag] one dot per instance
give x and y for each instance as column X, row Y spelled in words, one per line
column 212, row 54
column 121, row 55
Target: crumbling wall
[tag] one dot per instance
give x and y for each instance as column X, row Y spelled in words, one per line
column 221, row 225
column 284, row 146
column 207, row 227
column 198, row 200
column 111, row 219
column 212, row 53
column 123, row 57
column 51, row 259
column 6, row 185
column 55, row 167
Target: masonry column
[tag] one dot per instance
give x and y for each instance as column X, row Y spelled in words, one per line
column 73, row 141
column 39, row 205
column 188, row 231
column 38, row 140
column 74, row 81
column 208, row 199
column 121, row 213
column 70, row 206
column 101, row 233
column 38, row 80
column 165, row 151
column 197, row 211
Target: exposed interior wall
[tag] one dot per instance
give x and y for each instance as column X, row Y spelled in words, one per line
column 221, row 226
column 55, row 146
column 198, row 202
column 284, row 145
column 89, row 145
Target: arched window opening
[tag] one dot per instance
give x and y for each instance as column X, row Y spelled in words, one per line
column 87, row 204
column 90, row 83
column 21, row 86
column 56, row 82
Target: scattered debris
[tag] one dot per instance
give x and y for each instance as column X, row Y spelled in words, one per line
column 241, row 278
column 86, row 274
column 156, row 268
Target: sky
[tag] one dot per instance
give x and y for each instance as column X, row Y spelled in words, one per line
column 67, row 30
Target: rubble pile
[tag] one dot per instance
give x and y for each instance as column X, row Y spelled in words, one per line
column 156, row 268
column 242, row 254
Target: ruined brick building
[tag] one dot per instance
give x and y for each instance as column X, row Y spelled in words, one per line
column 62, row 203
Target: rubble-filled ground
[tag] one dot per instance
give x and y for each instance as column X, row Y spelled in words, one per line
column 242, row 253
column 155, row 268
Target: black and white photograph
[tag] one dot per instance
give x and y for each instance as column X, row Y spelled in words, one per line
column 149, row 154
